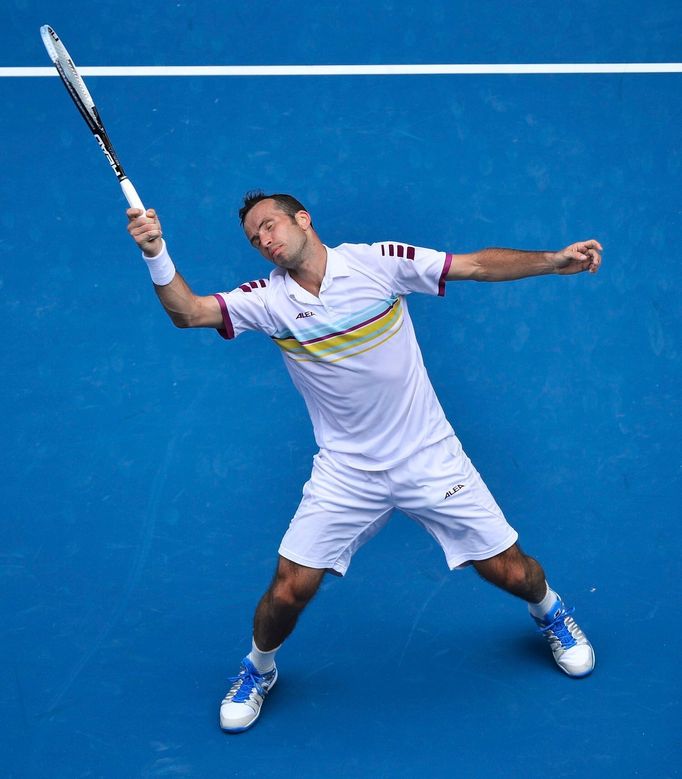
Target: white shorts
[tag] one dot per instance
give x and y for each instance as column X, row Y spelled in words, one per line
column 438, row 487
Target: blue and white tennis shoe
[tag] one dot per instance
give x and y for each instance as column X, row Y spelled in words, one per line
column 571, row 649
column 242, row 704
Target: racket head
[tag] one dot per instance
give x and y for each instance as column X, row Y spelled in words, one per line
column 70, row 76
column 79, row 94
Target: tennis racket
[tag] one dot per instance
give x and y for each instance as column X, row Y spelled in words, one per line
column 75, row 86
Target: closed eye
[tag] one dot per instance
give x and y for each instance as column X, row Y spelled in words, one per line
column 255, row 241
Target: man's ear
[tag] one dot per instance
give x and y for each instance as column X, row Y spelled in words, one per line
column 303, row 219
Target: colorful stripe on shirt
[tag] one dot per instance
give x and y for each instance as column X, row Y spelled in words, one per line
column 352, row 339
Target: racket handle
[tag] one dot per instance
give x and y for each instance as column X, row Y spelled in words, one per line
column 131, row 195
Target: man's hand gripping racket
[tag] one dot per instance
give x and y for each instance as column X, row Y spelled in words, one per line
column 145, row 230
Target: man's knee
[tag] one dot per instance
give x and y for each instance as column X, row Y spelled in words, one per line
column 294, row 585
column 517, row 573
column 511, row 568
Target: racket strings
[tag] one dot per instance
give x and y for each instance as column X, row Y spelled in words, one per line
column 67, row 69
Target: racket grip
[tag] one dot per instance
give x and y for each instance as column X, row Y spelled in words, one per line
column 131, row 195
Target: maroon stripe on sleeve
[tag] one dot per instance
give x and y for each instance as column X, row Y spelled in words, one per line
column 410, row 252
column 446, row 268
column 245, row 288
column 253, row 284
column 262, row 282
column 383, row 250
column 226, row 331
column 390, row 250
column 401, row 250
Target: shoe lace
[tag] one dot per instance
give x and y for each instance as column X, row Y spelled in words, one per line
column 244, row 684
column 558, row 630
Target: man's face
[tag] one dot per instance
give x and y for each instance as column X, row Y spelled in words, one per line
column 277, row 236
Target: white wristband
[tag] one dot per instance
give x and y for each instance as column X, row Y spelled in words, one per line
column 161, row 267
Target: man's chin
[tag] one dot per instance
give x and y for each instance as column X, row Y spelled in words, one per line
column 286, row 263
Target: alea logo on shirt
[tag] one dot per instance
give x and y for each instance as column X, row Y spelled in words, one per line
column 453, row 490
column 304, row 314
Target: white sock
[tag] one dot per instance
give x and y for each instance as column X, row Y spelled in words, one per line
column 540, row 609
column 263, row 661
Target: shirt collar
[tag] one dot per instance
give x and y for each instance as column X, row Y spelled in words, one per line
column 336, row 268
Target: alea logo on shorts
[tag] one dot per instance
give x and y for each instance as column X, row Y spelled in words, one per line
column 453, row 490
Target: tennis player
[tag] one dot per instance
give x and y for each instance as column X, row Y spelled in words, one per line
column 340, row 318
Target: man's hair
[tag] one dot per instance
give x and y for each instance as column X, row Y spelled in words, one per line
column 285, row 203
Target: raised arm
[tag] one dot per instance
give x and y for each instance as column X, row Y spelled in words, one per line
column 510, row 264
column 181, row 304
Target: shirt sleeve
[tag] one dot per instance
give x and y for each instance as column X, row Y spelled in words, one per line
column 413, row 268
column 245, row 308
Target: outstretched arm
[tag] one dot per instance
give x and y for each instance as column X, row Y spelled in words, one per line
column 510, row 264
column 181, row 304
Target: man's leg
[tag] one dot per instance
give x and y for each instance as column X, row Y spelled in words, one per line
column 521, row 575
column 291, row 589
column 515, row 572
column 341, row 509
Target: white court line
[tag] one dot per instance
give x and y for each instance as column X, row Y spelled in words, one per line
column 353, row 70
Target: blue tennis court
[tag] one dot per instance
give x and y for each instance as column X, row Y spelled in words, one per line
column 149, row 473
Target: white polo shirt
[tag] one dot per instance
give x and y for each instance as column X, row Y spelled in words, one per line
column 352, row 352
